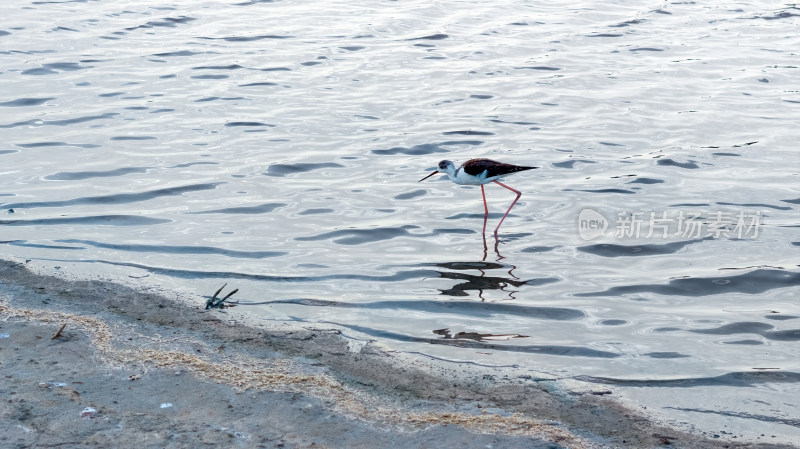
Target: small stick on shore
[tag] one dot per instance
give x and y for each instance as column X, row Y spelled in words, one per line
column 215, row 303
column 58, row 334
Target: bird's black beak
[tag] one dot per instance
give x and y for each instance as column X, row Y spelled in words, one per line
column 434, row 172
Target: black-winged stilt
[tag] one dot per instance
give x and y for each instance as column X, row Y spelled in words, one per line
column 479, row 172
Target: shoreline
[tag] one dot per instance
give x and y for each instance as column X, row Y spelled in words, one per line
column 160, row 373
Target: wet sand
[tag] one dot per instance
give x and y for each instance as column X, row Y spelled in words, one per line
column 136, row 369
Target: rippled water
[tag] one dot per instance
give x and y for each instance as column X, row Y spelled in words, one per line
column 276, row 146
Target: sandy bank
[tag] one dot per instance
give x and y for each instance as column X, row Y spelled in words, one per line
column 147, row 371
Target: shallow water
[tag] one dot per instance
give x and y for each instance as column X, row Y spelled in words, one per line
column 276, row 146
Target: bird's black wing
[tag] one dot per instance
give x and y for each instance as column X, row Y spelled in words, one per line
column 475, row 167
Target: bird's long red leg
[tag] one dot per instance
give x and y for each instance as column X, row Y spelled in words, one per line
column 485, row 209
column 519, row 194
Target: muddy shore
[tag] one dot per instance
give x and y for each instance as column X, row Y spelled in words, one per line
column 136, row 369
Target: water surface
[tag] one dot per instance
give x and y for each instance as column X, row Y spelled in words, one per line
column 276, row 146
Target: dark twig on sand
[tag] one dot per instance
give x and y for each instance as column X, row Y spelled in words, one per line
column 215, row 303
column 58, row 334
column 210, row 303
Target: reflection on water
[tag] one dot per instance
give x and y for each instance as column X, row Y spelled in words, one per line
column 462, row 273
column 185, row 145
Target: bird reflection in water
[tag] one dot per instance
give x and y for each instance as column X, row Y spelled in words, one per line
column 480, row 282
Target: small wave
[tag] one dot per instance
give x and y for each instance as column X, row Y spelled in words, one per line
column 666, row 355
column 248, row 38
column 430, row 37
column 468, row 132
column 752, row 327
column 55, row 67
column 167, row 22
column 410, row 195
column 538, row 249
column 361, row 236
column 736, row 379
column 673, row 163
column 623, row 191
column 542, row 68
column 253, row 2
column 316, row 211
column 119, row 198
column 65, row 122
column 80, row 175
column 613, row 250
column 743, row 415
column 627, row 23
column 646, row 181
column 235, row 124
column 570, row 351
column 302, row 167
column 755, row 205
column 111, row 220
column 464, row 215
column 461, row 308
column 753, row 282
column 200, row 274
column 20, row 102
column 262, row 83
column 258, row 209
column 55, row 144
column 571, row 163
column 210, row 77
column 167, row 249
column 133, row 138
column 426, row 148
column 178, row 53
column 219, row 67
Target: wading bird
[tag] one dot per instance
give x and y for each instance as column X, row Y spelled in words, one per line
column 479, row 172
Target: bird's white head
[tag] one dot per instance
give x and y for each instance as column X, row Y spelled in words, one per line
column 446, row 167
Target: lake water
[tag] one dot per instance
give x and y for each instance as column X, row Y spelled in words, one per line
column 276, row 146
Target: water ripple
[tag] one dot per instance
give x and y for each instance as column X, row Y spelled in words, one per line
column 753, row 282
column 426, row 148
column 674, row 163
column 75, row 176
column 570, row 351
column 613, row 250
column 468, row 308
column 119, row 198
column 302, row 167
column 753, row 327
column 431, row 37
column 55, row 144
column 166, row 249
column 362, row 236
column 169, row 22
column 178, row 53
column 571, row 163
column 247, row 38
column 201, row 274
column 64, row 122
column 19, row 102
column 112, row 220
column 259, row 209
column 736, row 379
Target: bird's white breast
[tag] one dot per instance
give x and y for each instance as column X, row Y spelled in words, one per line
column 461, row 177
